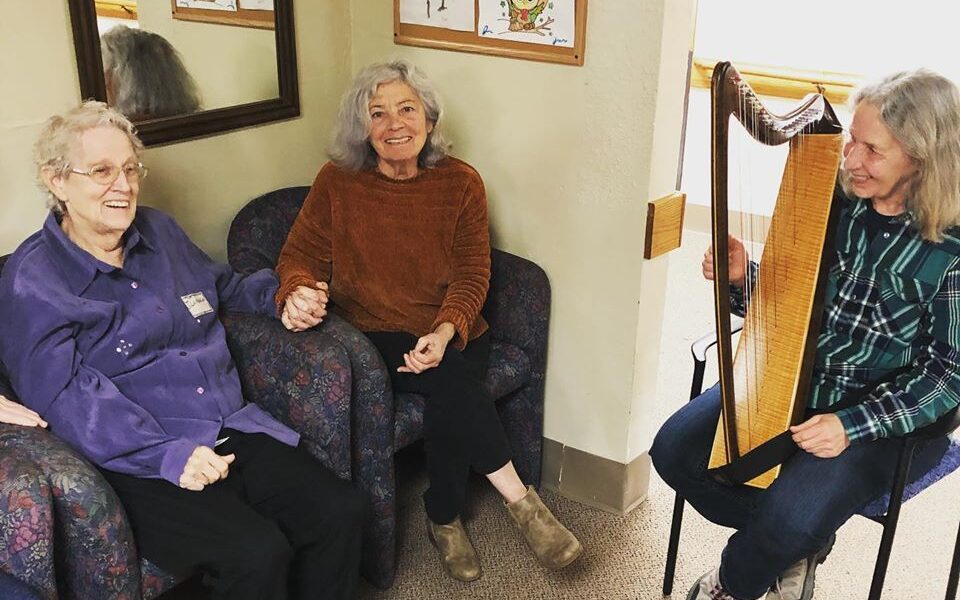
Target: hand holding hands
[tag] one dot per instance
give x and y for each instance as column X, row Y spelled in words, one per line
column 204, row 467
column 737, row 259
column 428, row 351
column 821, row 435
column 305, row 307
column 18, row 414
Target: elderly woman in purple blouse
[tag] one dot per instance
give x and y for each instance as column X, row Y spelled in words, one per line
column 113, row 339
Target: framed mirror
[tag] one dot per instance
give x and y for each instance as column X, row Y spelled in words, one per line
column 225, row 113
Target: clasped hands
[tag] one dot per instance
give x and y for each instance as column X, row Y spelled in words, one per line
column 203, row 468
column 305, row 307
column 428, row 351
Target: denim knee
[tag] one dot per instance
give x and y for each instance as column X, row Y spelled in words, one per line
column 663, row 454
column 682, row 446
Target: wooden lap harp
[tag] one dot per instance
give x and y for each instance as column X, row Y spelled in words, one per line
column 764, row 386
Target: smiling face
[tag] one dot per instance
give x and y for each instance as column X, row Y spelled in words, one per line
column 398, row 128
column 94, row 210
column 875, row 163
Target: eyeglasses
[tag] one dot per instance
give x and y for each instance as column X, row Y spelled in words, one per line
column 107, row 174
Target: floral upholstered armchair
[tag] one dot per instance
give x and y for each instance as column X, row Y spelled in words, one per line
column 517, row 310
column 63, row 533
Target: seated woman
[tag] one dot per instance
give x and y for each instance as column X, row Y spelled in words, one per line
column 888, row 353
column 394, row 235
column 144, row 75
column 113, row 338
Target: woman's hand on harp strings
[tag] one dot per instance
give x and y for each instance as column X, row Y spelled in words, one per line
column 737, row 259
column 821, row 435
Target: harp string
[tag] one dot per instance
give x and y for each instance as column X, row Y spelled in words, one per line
column 747, row 233
column 757, row 349
column 752, row 229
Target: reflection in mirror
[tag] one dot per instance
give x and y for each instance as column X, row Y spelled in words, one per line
column 230, row 65
column 180, row 79
column 145, row 76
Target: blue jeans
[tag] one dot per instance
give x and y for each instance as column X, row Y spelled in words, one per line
column 796, row 515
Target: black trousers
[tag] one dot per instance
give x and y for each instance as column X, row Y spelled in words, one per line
column 462, row 429
column 279, row 526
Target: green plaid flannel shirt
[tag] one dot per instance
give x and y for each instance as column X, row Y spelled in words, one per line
column 891, row 305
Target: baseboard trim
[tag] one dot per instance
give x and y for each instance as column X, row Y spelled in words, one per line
column 594, row 480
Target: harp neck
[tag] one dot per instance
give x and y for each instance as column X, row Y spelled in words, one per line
column 732, row 95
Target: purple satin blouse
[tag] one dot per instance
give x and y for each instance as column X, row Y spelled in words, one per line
column 130, row 365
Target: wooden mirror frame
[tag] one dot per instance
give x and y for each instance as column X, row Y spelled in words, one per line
column 165, row 130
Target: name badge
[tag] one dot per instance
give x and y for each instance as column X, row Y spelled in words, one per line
column 197, row 304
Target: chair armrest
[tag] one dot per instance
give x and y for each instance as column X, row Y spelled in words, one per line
column 518, row 304
column 40, row 476
column 373, row 410
column 302, row 379
column 372, row 402
column 700, row 346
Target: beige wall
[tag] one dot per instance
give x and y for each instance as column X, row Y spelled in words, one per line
column 676, row 41
column 39, row 79
column 568, row 157
column 202, row 182
column 232, row 65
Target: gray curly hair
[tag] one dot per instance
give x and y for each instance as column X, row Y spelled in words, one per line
column 60, row 137
column 351, row 147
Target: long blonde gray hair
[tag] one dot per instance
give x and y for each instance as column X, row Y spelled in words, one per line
column 922, row 111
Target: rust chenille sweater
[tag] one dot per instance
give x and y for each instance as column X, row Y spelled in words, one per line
column 399, row 255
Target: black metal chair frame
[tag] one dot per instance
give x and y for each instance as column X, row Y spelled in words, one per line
column 943, row 426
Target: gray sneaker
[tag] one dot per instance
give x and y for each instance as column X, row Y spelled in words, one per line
column 797, row 582
column 708, row 588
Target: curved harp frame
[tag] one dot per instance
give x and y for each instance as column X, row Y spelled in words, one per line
column 732, row 96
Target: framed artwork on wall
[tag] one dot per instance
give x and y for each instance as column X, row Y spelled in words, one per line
column 242, row 13
column 545, row 30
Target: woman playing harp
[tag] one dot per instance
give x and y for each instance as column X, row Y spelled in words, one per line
column 890, row 313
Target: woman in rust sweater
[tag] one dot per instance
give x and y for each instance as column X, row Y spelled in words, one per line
column 394, row 236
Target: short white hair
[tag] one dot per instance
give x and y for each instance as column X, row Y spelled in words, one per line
column 60, row 137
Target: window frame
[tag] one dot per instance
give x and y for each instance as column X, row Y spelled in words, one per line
column 782, row 82
column 117, row 9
